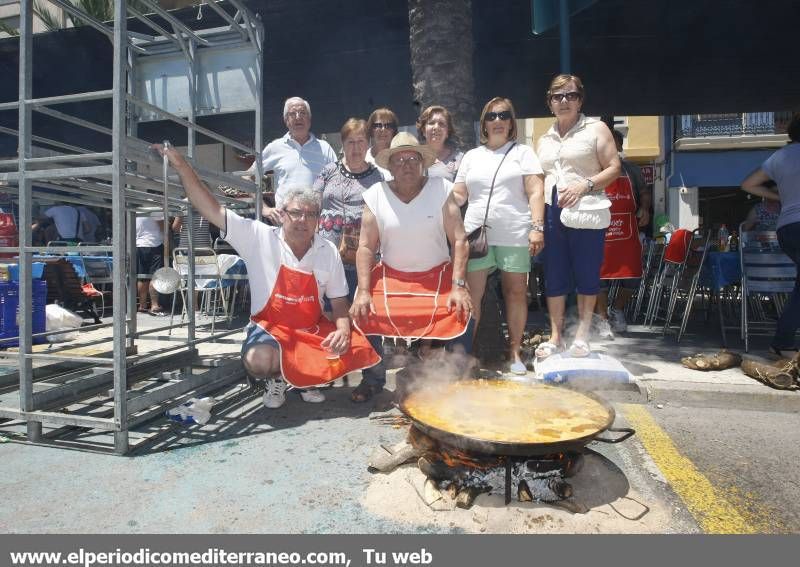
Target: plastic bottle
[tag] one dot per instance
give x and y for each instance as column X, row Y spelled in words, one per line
column 723, row 238
column 193, row 411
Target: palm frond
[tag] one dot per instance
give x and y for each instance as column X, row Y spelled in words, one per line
column 5, row 28
column 49, row 20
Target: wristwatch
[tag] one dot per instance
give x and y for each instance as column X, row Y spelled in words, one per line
column 459, row 282
column 590, row 184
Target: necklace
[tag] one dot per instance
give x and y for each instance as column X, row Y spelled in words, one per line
column 350, row 175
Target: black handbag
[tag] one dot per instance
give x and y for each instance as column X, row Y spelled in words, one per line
column 478, row 244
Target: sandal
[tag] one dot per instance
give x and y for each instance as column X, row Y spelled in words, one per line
column 545, row 349
column 158, row 312
column 579, row 349
column 364, row 392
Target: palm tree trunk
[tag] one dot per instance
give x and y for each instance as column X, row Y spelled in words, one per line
column 441, row 61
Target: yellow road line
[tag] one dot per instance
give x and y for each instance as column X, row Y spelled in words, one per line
column 712, row 510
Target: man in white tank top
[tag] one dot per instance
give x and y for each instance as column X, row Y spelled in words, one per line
column 410, row 220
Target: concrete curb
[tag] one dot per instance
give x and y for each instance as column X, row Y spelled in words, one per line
column 756, row 397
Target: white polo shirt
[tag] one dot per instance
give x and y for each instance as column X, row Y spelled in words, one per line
column 295, row 166
column 264, row 250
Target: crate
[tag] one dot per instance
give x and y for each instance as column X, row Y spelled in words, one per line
column 37, row 269
column 9, row 304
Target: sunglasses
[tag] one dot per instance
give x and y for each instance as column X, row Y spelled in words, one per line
column 492, row 116
column 401, row 161
column 571, row 96
column 384, row 126
column 297, row 214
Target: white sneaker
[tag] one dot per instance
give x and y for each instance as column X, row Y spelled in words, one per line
column 618, row 322
column 275, row 393
column 312, row 396
column 604, row 329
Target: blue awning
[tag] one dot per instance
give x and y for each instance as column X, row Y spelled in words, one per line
column 715, row 169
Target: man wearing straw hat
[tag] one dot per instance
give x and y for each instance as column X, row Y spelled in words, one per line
column 290, row 269
column 415, row 291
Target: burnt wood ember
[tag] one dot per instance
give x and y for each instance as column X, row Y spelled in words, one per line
column 461, row 476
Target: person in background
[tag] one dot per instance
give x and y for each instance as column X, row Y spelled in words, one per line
column 290, row 270
column 381, row 127
column 89, row 225
column 149, row 258
column 342, row 186
column 783, row 167
column 622, row 259
column 296, row 158
column 435, row 128
column 60, row 222
column 580, row 159
column 763, row 216
column 515, row 219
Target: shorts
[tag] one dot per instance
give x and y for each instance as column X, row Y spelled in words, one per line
column 257, row 336
column 149, row 259
column 624, row 283
column 513, row 259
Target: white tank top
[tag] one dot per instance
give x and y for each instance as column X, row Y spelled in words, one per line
column 412, row 234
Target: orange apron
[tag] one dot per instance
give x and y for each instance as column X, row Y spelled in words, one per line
column 294, row 318
column 623, row 249
column 412, row 305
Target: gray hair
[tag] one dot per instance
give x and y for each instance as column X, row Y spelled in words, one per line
column 303, row 196
column 295, row 100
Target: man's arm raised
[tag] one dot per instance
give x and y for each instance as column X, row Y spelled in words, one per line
column 197, row 192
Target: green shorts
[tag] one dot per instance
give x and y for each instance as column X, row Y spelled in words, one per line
column 514, row 259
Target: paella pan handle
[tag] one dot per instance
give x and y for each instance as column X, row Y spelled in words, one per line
column 626, row 433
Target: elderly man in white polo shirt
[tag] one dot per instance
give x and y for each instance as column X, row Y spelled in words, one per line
column 290, row 269
column 296, row 158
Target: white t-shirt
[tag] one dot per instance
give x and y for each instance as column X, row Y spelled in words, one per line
column 65, row 218
column 783, row 167
column 149, row 232
column 264, row 250
column 89, row 225
column 412, row 234
column 509, row 218
column 387, row 175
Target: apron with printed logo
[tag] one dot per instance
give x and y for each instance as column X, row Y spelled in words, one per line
column 623, row 249
column 294, row 318
column 412, row 305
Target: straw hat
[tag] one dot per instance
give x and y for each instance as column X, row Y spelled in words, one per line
column 404, row 142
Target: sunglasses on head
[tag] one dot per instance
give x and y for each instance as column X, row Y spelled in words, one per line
column 384, row 126
column 571, row 96
column 492, row 116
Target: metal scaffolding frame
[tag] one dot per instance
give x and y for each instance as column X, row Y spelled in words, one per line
column 128, row 179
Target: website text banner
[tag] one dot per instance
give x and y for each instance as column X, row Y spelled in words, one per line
column 392, row 550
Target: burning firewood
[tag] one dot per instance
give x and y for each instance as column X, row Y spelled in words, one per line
column 467, row 495
column 524, row 492
column 781, row 374
column 720, row 361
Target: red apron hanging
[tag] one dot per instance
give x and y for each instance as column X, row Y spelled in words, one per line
column 293, row 316
column 623, row 249
column 412, row 305
column 678, row 246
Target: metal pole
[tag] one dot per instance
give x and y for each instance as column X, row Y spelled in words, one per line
column 120, row 87
column 258, row 142
column 190, row 212
column 566, row 56
column 24, row 297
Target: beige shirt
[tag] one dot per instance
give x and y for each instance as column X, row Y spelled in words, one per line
column 572, row 159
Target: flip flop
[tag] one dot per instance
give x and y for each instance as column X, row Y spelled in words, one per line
column 157, row 313
column 545, row 349
column 579, row 349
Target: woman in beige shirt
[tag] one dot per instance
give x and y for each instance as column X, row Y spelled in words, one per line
column 579, row 159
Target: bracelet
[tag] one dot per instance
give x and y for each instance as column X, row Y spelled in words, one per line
column 537, row 227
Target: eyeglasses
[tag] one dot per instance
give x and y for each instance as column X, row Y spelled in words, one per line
column 297, row 114
column 384, row 126
column 571, row 96
column 401, row 161
column 492, row 116
column 297, row 214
